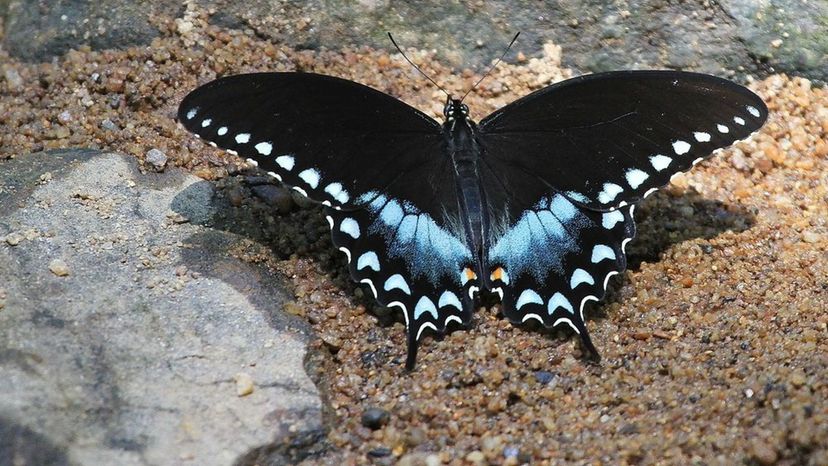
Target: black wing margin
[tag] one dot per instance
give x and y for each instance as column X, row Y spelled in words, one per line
column 609, row 139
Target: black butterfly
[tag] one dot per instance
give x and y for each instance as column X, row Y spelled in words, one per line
column 534, row 203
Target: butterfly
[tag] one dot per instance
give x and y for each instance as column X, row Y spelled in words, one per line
column 534, row 203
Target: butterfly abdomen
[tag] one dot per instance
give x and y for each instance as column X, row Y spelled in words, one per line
column 464, row 152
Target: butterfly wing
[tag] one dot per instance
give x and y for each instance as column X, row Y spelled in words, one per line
column 592, row 147
column 609, row 139
column 554, row 256
column 331, row 139
column 377, row 163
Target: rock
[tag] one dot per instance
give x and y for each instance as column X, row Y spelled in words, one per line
column 276, row 196
column 157, row 159
column 374, row 418
column 64, row 26
column 59, row 268
column 724, row 38
column 544, row 377
column 100, row 369
column 244, row 384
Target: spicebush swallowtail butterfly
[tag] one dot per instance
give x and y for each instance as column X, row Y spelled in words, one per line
column 534, row 203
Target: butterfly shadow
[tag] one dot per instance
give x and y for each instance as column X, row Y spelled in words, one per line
column 666, row 219
column 252, row 207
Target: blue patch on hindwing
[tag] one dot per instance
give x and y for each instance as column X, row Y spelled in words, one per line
column 537, row 243
column 428, row 249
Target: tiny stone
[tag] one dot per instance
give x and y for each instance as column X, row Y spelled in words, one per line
column 244, row 384
column 374, row 418
column 544, row 377
column 13, row 239
column 65, row 116
column 109, row 125
column 13, row 78
column 59, row 268
column 379, row 452
column 763, row 453
column 810, row 237
column 157, row 159
column 476, row 457
column 275, row 196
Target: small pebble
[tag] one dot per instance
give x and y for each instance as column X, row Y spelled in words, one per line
column 157, row 159
column 109, row 125
column 374, row 418
column 244, row 384
column 13, row 239
column 544, row 377
column 59, row 268
column 380, row 452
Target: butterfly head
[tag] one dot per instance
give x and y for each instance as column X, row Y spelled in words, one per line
column 455, row 109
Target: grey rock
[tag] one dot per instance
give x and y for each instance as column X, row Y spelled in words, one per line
column 131, row 358
column 63, row 26
column 729, row 37
column 157, row 159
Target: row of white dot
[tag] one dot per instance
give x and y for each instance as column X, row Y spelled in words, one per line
column 635, row 177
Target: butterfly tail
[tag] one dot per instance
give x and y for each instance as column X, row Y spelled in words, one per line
column 411, row 358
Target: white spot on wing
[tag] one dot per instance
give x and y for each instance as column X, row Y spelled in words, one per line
column 565, row 320
column 347, row 252
column 275, row 175
column 206, row 122
column 739, row 121
column 601, row 252
column 397, row 282
column 753, row 110
column 681, row 147
column 723, row 129
column 253, row 162
column 264, row 148
column 370, row 260
column 310, row 176
column 222, row 131
column 192, row 113
column 453, row 319
column 610, row 192
column 423, row 327
column 285, row 161
column 580, row 276
column 526, row 297
column 650, row 191
column 425, row 305
column 609, row 219
column 243, row 138
column 350, row 227
column 559, row 300
column 330, row 221
column 701, row 136
column 660, row 162
column 530, row 316
column 450, row 299
column 371, row 285
column 635, row 177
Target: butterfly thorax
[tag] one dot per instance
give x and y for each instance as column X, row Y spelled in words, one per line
column 464, row 151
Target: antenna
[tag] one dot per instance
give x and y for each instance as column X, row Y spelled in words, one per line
column 492, row 68
column 417, row 67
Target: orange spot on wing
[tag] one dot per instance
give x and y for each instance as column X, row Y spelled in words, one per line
column 470, row 275
column 497, row 274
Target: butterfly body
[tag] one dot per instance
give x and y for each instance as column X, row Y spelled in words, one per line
column 534, row 203
column 465, row 152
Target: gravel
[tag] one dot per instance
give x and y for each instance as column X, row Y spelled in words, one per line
column 727, row 273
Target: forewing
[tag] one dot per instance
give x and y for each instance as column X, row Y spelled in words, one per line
column 607, row 140
column 331, row 139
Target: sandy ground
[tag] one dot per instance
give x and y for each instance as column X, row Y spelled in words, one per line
column 713, row 342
